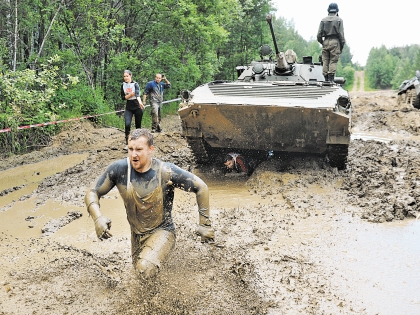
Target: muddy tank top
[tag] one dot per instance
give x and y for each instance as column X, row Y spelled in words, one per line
column 144, row 213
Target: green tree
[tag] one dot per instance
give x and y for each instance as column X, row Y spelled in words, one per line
column 248, row 30
column 346, row 56
column 380, row 68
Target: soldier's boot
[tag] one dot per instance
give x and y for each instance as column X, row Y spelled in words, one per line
column 326, row 77
column 331, row 77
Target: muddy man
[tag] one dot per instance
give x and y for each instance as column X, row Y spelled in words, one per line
column 146, row 186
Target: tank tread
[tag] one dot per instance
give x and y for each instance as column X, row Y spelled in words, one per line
column 199, row 150
column 416, row 103
column 409, row 97
column 337, row 155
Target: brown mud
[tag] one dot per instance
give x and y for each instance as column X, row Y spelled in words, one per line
column 297, row 237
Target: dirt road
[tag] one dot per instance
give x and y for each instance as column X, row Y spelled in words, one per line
column 297, row 237
column 359, row 81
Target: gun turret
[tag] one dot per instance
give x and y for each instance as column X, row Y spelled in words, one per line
column 282, row 64
column 268, row 19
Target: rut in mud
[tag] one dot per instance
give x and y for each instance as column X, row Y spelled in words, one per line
column 277, row 232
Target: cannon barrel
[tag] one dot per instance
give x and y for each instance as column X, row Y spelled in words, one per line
column 269, row 18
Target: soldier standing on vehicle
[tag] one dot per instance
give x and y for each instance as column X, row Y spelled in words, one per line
column 331, row 37
column 154, row 89
column 147, row 186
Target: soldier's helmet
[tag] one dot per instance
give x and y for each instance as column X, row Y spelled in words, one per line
column 333, row 7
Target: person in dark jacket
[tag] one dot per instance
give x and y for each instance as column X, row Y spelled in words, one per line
column 130, row 91
column 331, row 37
column 154, row 89
column 147, row 186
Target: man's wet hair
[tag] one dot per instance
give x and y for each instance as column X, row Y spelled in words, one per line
column 228, row 157
column 142, row 132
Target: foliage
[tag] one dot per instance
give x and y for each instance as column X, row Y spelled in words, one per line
column 27, row 94
column 348, row 73
column 407, row 65
column 27, row 97
column 346, row 56
column 388, row 68
column 55, row 43
column 379, row 67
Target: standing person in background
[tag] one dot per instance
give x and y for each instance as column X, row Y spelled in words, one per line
column 154, row 89
column 130, row 91
column 331, row 37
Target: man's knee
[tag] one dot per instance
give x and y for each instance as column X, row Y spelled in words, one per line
column 146, row 268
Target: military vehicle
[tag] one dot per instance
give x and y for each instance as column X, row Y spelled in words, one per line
column 279, row 106
column 409, row 91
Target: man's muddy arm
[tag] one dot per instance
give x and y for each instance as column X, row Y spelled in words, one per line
column 204, row 224
column 191, row 183
column 92, row 204
column 100, row 188
column 202, row 195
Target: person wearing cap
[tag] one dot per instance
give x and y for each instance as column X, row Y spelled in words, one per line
column 154, row 89
column 147, row 186
column 331, row 37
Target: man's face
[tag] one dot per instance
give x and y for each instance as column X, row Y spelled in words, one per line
column 158, row 78
column 229, row 164
column 140, row 154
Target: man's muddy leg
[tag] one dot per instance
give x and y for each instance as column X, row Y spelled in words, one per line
column 151, row 251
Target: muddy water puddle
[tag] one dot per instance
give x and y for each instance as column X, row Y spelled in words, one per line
column 23, row 180
column 378, row 264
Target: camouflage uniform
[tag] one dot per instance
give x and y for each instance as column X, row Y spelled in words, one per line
column 331, row 37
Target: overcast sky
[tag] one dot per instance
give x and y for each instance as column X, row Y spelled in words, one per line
column 367, row 24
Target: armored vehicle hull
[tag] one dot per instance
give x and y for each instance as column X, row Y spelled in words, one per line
column 267, row 116
column 279, row 106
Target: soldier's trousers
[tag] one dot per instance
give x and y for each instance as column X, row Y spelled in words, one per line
column 330, row 54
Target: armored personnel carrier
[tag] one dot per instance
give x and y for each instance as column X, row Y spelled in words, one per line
column 281, row 105
column 409, row 91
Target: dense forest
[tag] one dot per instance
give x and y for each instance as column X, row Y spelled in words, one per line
column 65, row 58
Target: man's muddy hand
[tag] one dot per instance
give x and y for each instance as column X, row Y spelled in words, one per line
column 206, row 233
column 102, row 227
